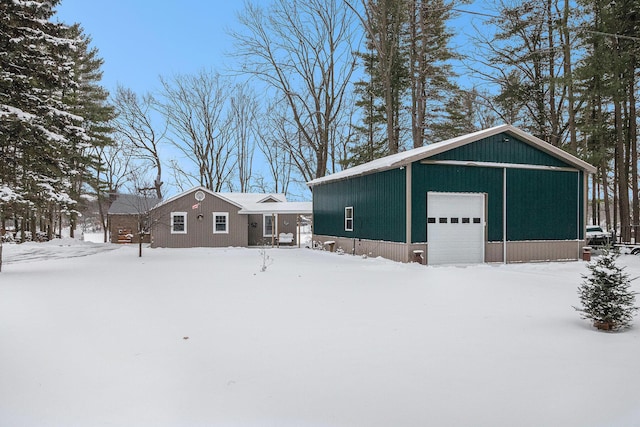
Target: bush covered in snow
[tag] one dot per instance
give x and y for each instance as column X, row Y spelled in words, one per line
column 606, row 294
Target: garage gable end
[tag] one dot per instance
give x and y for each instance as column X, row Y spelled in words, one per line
column 501, row 148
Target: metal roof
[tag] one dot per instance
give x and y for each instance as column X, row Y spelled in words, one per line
column 410, row 156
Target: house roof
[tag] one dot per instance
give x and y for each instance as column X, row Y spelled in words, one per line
column 243, row 199
column 409, row 156
column 131, row 204
column 250, row 203
column 277, row 208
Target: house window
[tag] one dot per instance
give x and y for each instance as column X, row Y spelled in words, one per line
column 268, row 225
column 348, row 218
column 220, row 222
column 178, row 223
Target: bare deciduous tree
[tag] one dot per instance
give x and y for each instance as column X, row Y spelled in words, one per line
column 135, row 125
column 111, row 173
column 244, row 122
column 195, row 107
column 277, row 136
column 303, row 51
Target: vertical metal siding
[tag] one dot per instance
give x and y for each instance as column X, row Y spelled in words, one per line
column 378, row 202
column 501, row 148
column 444, row 178
column 527, row 251
column 554, row 250
column 542, row 205
column 395, row 251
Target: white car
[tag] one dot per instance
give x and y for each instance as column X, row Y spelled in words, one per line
column 596, row 236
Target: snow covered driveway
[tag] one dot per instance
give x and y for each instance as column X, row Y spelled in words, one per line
column 201, row 337
column 54, row 249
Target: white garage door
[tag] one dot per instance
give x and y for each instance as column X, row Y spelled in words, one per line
column 455, row 228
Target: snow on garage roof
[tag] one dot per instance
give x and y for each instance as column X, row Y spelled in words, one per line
column 409, row 156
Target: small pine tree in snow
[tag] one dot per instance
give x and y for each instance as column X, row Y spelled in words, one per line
column 606, row 294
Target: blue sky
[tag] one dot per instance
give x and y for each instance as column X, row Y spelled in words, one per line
column 143, row 39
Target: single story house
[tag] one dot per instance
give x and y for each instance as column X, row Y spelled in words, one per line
column 203, row 218
column 127, row 216
column 497, row 195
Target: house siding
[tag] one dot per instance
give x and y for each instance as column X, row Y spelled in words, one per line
column 287, row 223
column 199, row 231
column 130, row 222
column 378, row 202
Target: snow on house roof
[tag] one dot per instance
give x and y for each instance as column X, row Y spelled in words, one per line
column 131, row 204
column 250, row 203
column 409, row 156
column 277, row 208
column 243, row 199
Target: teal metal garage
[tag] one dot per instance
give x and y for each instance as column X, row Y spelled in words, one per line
column 533, row 195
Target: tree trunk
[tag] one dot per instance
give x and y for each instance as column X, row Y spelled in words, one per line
column 72, row 225
column 605, row 194
column 568, row 75
column 633, row 144
column 554, row 137
column 622, row 176
column 140, row 234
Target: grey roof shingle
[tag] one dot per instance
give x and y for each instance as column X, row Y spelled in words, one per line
column 128, row 204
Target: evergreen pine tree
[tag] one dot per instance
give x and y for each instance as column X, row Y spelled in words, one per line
column 430, row 72
column 385, row 24
column 459, row 118
column 370, row 136
column 89, row 100
column 606, row 294
column 38, row 133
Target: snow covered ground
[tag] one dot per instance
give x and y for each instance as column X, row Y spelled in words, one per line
column 201, row 337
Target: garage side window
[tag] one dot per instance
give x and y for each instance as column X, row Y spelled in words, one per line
column 178, row 223
column 348, row 218
column 221, row 223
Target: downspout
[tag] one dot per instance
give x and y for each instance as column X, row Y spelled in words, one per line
column 504, row 215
